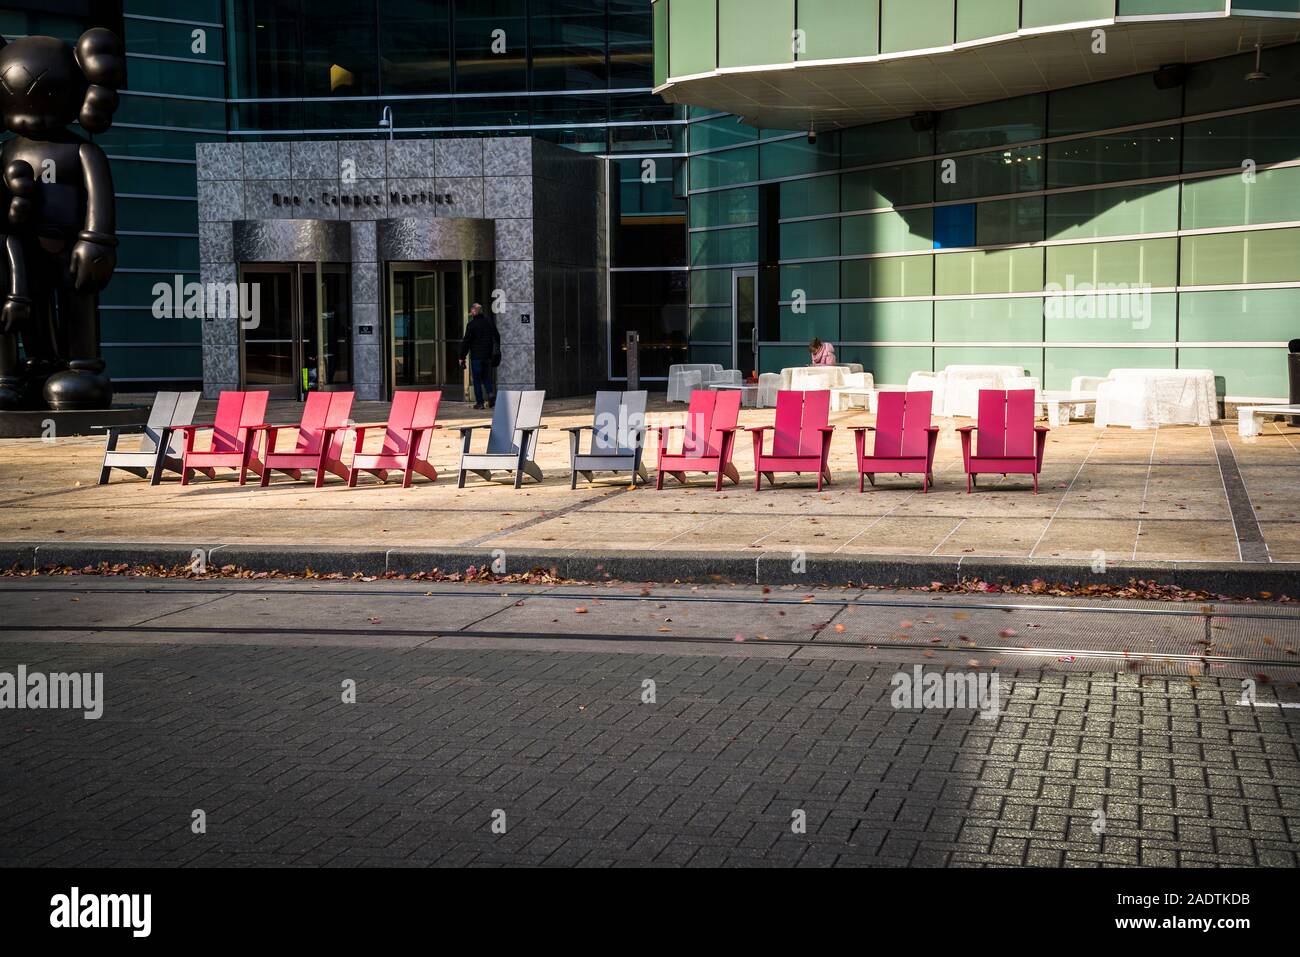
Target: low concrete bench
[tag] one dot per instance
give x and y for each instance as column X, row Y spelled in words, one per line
column 1248, row 416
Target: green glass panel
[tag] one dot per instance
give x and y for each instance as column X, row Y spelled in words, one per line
column 776, row 358
column 838, row 28
column 986, row 272
column 890, row 365
column 174, row 39
column 724, row 169
column 197, row 78
column 207, row 11
column 879, row 142
column 1146, row 8
column 1130, row 315
column 710, row 353
column 661, row 41
column 1149, row 262
column 977, row 19
column 889, row 232
column 810, row 239
column 1121, row 211
column 692, row 36
column 710, row 325
column 164, row 179
column 710, row 287
column 164, row 111
column 887, row 321
column 1029, row 359
column 888, row 278
column 755, row 32
column 1061, row 364
column 813, row 280
column 1008, row 221
column 1100, row 106
column 989, row 125
column 132, row 362
column 1247, row 373
column 132, row 289
column 797, row 157
column 159, row 252
column 988, row 320
column 1141, row 154
column 1239, row 315
column 725, row 207
column 820, row 321
column 720, row 247
column 810, row 197
column 887, row 186
column 1225, row 142
column 139, row 325
column 1046, row 13
column 915, row 24
column 161, row 216
column 1269, row 255
column 1274, row 197
column 719, row 132
column 1015, row 170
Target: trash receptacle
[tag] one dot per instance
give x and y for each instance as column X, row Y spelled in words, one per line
column 1293, row 372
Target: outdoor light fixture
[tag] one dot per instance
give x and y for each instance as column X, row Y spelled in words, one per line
column 812, row 133
column 1255, row 75
column 386, row 121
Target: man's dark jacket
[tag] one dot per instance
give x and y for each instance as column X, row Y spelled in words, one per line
column 482, row 341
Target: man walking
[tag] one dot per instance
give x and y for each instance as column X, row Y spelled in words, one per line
column 482, row 346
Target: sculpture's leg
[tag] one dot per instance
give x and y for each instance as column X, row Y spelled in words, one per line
column 82, row 385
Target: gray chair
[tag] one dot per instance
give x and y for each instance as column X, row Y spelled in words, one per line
column 159, row 443
column 617, row 438
column 512, row 441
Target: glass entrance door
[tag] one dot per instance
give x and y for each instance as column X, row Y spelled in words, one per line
column 300, row 338
column 744, row 321
column 426, row 321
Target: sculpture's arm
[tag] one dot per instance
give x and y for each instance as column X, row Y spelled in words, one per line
column 95, row 254
column 17, row 306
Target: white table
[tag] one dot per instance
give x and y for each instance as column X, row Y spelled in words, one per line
column 1060, row 402
column 1150, row 398
column 748, row 392
column 790, row 373
column 962, row 385
column 1248, row 417
column 813, row 378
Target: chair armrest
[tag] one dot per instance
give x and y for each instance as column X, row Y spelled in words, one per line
column 933, row 428
column 466, row 429
column 758, row 428
column 577, row 428
column 120, row 429
column 825, row 428
column 731, row 431
column 966, row 428
column 1042, row 428
column 193, row 428
column 863, row 429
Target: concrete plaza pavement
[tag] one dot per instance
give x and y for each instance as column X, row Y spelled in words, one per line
column 475, row 701
column 1183, row 494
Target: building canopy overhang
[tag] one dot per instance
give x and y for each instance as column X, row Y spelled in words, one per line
column 834, row 94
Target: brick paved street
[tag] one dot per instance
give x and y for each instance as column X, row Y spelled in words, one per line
column 251, row 729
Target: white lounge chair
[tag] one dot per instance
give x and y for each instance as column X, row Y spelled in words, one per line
column 512, row 440
column 159, row 443
column 617, row 438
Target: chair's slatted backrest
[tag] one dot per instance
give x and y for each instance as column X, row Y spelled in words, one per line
column 633, row 420
column 699, row 422
column 253, row 411
column 187, row 403
column 314, row 413
column 726, row 410
column 816, row 416
column 225, row 432
column 607, row 422
column 991, row 431
column 426, row 417
column 530, row 417
column 501, row 440
column 1020, row 422
column 400, row 415
column 889, row 424
column 338, row 416
column 916, row 419
column 789, row 418
column 161, row 414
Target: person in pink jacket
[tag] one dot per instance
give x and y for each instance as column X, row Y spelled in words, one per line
column 823, row 353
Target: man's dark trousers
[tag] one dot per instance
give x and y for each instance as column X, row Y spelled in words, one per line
column 480, row 370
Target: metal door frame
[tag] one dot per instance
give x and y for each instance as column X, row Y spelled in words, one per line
column 736, row 275
column 443, row 267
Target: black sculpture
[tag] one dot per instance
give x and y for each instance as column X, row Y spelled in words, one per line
column 59, row 227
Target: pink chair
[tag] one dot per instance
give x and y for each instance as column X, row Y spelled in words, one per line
column 233, row 442
column 319, row 446
column 905, row 439
column 1007, row 441
column 708, row 439
column 411, row 421
column 801, row 440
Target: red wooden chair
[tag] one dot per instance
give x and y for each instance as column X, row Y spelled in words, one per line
column 801, row 440
column 410, row 425
column 708, row 438
column 905, row 439
column 319, row 447
column 233, row 443
column 1007, row 441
